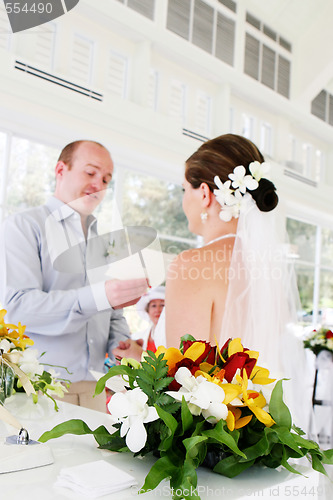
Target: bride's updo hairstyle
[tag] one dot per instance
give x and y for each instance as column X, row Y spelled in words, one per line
column 219, row 157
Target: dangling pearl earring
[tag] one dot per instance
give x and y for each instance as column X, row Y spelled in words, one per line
column 204, row 216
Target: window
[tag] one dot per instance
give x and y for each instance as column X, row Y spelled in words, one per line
column 153, row 89
column 266, row 139
column 82, row 60
column 149, row 201
column 314, row 269
column 177, row 107
column 211, row 29
column 45, row 40
column 203, row 114
column 203, row 20
column 266, row 62
column 117, row 75
column 179, row 15
column 303, row 236
column 3, row 141
column 225, row 39
column 144, row 7
column 31, row 178
column 5, row 30
column 248, row 126
column 322, row 106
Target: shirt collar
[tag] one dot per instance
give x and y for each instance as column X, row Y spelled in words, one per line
column 62, row 211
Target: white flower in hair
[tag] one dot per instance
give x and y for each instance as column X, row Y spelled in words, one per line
column 242, row 181
column 259, row 170
column 223, row 194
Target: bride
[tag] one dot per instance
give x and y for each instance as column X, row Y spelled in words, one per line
column 239, row 283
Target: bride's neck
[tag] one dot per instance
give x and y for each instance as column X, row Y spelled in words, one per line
column 213, row 230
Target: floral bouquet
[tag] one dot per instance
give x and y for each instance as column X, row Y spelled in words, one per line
column 20, row 368
column 319, row 340
column 199, row 406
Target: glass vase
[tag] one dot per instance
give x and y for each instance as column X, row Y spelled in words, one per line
column 6, row 381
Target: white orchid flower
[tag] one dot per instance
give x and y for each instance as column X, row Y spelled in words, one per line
column 259, row 170
column 5, row 345
column 223, row 194
column 29, row 363
column 201, row 395
column 242, row 181
column 132, row 410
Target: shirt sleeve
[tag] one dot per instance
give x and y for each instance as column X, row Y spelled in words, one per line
column 23, row 267
column 119, row 330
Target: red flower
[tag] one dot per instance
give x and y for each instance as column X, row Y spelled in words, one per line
column 193, row 366
column 238, row 360
column 329, row 334
column 208, row 355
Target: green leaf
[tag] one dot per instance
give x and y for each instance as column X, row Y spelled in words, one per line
column 149, row 370
column 74, row 426
column 231, row 467
column 162, row 469
column 219, row 435
column 171, row 424
column 162, row 383
column 289, row 439
column 308, row 444
column 327, row 456
column 147, row 388
column 316, row 463
column 278, row 409
column 187, row 417
column 145, row 376
column 287, row 466
column 114, row 370
column 193, row 445
column 185, row 482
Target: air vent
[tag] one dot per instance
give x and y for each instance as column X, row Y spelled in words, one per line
column 194, row 135
column 58, row 81
column 300, row 178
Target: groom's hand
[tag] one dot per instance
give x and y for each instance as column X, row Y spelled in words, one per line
column 128, row 349
column 123, row 293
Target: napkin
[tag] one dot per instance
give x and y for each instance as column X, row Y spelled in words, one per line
column 94, row 479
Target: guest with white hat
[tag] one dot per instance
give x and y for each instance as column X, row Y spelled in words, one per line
column 150, row 307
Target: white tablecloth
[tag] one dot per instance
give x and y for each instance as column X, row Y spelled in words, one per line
column 69, row 450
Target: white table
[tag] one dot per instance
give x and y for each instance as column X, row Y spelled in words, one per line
column 69, row 450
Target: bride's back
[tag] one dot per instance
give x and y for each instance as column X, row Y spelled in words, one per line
column 198, row 279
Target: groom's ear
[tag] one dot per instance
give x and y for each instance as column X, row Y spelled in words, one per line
column 206, row 194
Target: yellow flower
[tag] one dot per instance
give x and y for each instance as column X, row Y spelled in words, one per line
column 254, row 401
column 235, row 420
column 260, row 376
column 13, row 333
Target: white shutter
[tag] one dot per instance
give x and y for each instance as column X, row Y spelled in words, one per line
column 5, row 30
column 144, row 7
column 177, row 106
column 153, row 89
column 283, row 82
column 225, row 39
column 268, row 67
column 203, row 114
column 82, row 60
column 330, row 109
column 116, row 78
column 45, row 47
column 318, row 105
column 178, row 21
column 203, row 26
column 251, row 60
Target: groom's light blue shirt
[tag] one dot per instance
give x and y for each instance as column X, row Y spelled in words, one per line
column 47, row 268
